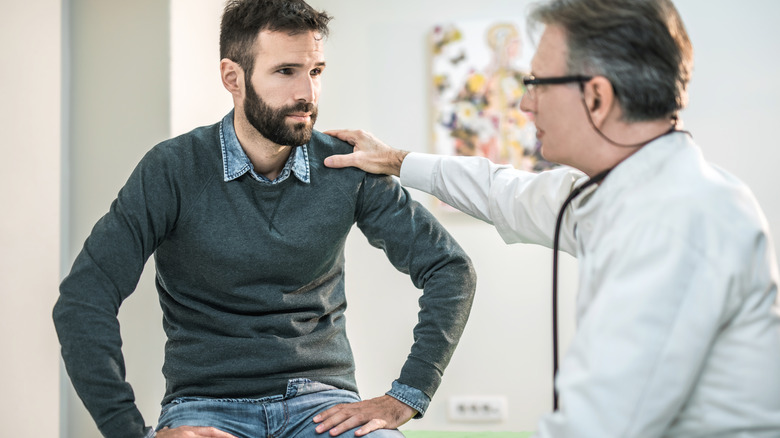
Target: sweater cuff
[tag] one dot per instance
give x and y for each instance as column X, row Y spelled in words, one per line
column 129, row 424
column 412, row 397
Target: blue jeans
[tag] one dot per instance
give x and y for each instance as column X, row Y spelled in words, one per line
column 280, row 416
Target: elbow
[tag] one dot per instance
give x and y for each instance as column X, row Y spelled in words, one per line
column 468, row 276
column 59, row 315
column 471, row 276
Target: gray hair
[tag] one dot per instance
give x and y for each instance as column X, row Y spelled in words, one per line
column 641, row 46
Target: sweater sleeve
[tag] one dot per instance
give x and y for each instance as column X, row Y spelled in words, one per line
column 417, row 245
column 105, row 273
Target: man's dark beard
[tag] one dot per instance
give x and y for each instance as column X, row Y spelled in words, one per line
column 270, row 122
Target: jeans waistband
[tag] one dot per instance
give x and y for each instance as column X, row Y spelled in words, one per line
column 296, row 387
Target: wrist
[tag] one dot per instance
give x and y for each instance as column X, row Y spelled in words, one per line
column 396, row 161
column 411, row 397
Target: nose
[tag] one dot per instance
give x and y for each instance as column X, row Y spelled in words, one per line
column 307, row 89
column 526, row 102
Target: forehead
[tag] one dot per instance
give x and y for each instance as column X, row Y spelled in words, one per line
column 552, row 53
column 274, row 47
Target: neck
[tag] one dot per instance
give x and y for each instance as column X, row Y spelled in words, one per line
column 637, row 134
column 621, row 140
column 267, row 157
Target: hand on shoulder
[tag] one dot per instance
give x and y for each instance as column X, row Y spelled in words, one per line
column 370, row 155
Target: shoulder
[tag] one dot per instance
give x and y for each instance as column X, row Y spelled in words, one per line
column 705, row 194
column 201, row 142
column 322, row 146
column 191, row 153
column 699, row 203
column 325, row 145
column 179, row 166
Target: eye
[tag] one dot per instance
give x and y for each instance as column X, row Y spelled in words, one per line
column 316, row 72
column 285, row 71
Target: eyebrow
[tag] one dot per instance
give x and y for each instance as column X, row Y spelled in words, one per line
column 294, row 65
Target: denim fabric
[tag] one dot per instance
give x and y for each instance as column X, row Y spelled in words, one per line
column 410, row 396
column 289, row 415
column 236, row 163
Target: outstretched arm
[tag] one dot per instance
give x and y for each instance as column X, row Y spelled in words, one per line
column 522, row 205
column 370, row 155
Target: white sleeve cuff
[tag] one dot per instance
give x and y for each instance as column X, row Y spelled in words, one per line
column 417, row 171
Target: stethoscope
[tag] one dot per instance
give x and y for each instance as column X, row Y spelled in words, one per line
column 574, row 193
column 596, row 179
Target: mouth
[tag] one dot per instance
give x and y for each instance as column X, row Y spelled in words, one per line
column 299, row 117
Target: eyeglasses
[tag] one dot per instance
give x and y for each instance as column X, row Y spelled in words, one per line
column 530, row 82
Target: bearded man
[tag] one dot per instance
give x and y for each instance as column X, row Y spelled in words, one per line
column 248, row 229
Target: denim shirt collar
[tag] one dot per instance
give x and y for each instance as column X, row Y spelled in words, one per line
column 236, row 162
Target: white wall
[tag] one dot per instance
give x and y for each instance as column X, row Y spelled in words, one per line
column 30, row 86
column 118, row 109
column 376, row 80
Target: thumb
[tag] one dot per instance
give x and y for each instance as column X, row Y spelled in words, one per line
column 339, row 161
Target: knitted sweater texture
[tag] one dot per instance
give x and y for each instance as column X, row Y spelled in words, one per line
column 250, row 278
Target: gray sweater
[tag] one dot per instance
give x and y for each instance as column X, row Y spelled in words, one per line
column 250, row 278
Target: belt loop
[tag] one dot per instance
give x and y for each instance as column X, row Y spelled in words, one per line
column 294, row 386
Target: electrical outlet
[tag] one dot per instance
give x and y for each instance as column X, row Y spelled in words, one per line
column 478, row 408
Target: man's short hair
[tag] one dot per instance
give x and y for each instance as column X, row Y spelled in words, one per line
column 243, row 20
column 641, row 46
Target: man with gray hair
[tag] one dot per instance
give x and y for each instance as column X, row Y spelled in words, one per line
column 678, row 330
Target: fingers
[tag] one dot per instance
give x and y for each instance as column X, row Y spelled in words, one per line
column 216, row 433
column 340, row 161
column 371, row 426
column 335, row 132
column 357, row 137
column 347, row 135
column 192, row 432
column 337, row 420
column 379, row 413
column 370, row 154
column 329, row 419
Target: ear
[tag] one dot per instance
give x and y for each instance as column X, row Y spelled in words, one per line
column 599, row 99
column 232, row 77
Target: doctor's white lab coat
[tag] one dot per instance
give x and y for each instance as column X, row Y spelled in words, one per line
column 678, row 330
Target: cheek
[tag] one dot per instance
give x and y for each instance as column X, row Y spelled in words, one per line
column 272, row 96
column 273, row 92
column 557, row 116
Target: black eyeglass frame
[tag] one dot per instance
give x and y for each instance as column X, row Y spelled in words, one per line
column 529, row 82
